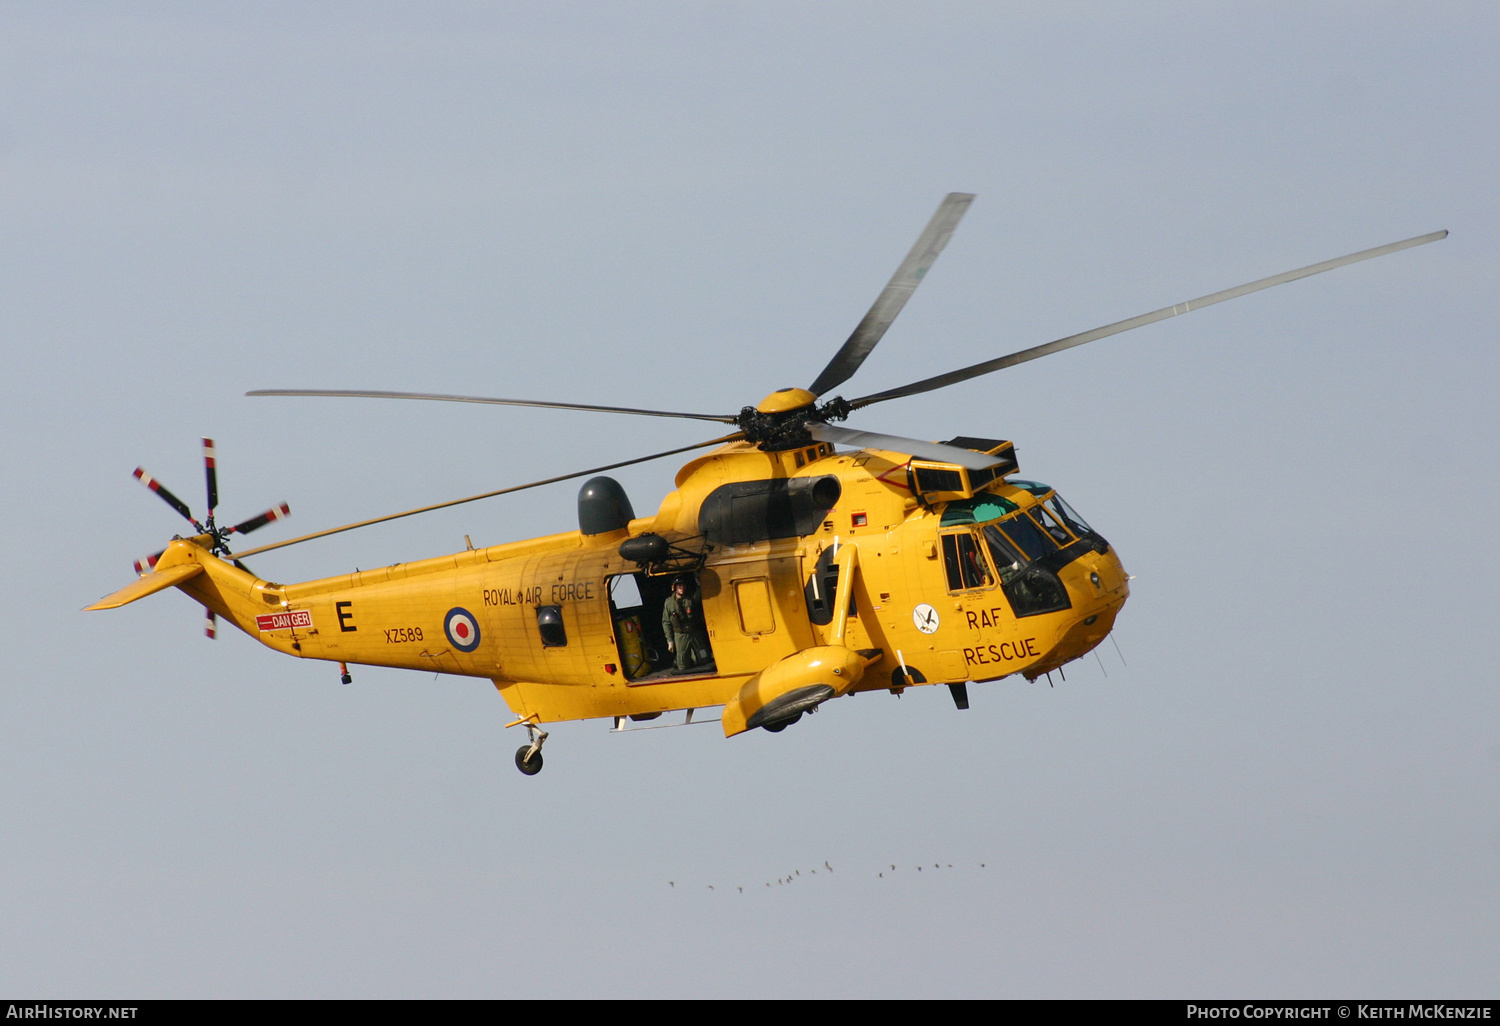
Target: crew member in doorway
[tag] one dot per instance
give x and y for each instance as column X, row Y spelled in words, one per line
column 682, row 623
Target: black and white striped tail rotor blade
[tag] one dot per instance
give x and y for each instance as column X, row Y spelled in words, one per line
column 1048, row 348
column 211, row 475
column 256, row 523
column 145, row 566
column 893, row 297
column 166, row 496
column 895, row 443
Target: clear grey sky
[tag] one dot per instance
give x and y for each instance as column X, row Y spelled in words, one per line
column 1290, row 788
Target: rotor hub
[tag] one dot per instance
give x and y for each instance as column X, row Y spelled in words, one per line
column 786, row 400
column 781, row 420
column 776, row 432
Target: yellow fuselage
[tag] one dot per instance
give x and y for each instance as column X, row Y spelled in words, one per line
column 475, row 613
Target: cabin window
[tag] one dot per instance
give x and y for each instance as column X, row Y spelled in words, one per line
column 549, row 623
column 625, row 593
column 964, row 562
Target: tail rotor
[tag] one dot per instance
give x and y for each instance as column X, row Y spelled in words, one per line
column 218, row 537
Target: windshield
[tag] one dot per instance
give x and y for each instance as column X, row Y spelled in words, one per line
column 1055, row 505
column 1031, row 588
column 1068, row 515
column 1024, row 533
column 1050, row 522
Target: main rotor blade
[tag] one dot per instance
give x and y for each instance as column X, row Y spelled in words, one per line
column 485, row 495
column 895, row 443
column 342, row 393
column 167, row 497
column 1046, row 349
column 890, row 301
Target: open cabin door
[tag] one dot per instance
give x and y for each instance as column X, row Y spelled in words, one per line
column 636, row 606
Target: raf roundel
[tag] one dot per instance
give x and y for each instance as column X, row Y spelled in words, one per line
column 462, row 629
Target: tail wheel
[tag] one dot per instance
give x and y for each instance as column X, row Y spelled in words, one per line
column 529, row 760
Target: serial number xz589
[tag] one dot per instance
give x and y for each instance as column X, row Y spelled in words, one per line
column 396, row 635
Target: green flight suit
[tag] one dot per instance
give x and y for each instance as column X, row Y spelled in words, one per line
column 682, row 623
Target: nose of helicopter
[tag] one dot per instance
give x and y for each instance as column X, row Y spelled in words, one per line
column 1097, row 587
column 1106, row 578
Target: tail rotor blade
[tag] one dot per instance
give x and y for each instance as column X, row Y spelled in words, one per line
column 167, row 497
column 209, row 623
column 148, row 564
column 211, row 473
column 256, row 523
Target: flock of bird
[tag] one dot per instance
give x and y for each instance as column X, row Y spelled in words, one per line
column 795, row 875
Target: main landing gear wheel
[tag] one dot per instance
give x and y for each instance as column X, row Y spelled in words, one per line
column 528, row 760
column 529, row 757
column 780, row 725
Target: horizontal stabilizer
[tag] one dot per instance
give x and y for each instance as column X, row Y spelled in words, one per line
column 149, row 584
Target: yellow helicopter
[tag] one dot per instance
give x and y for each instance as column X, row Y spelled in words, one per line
column 797, row 562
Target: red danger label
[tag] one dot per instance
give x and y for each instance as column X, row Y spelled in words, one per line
column 282, row 621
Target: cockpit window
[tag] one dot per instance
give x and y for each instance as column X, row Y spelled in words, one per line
column 1027, row 536
column 1053, row 526
column 1068, row 515
column 1008, row 559
column 978, row 510
column 965, row 563
column 1055, row 505
column 1030, row 587
column 1028, row 546
column 1034, row 487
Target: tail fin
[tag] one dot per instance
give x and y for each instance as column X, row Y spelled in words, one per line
column 223, row 589
column 149, row 584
